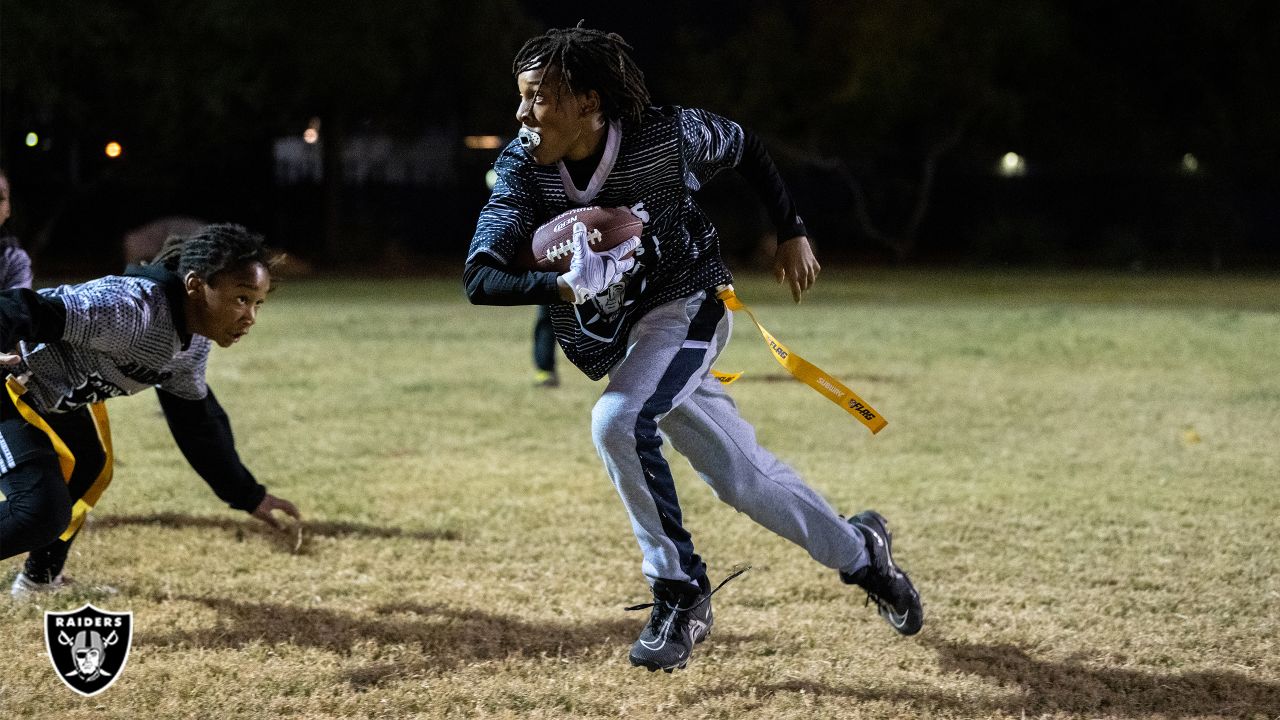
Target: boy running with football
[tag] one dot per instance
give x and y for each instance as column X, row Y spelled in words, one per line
column 645, row 313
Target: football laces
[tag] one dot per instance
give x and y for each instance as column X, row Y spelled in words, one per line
column 565, row 248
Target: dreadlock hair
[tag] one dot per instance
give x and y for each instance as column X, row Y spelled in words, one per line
column 590, row 60
column 213, row 249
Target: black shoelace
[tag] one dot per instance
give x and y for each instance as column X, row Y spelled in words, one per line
column 705, row 598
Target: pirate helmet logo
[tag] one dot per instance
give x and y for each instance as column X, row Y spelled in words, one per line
column 88, row 647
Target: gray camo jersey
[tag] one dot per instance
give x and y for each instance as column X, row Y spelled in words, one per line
column 120, row 339
column 657, row 164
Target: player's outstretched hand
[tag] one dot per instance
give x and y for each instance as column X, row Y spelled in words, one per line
column 795, row 264
column 591, row 272
column 270, row 503
column 9, row 358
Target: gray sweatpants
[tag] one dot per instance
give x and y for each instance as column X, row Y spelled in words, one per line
column 663, row 387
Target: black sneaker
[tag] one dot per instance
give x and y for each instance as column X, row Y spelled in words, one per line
column 681, row 618
column 886, row 584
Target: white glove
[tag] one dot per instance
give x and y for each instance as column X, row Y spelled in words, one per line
column 590, row 272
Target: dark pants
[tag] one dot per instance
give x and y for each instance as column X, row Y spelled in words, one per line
column 39, row 497
column 544, row 341
column 36, row 508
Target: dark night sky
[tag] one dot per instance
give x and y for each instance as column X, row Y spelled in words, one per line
column 1104, row 99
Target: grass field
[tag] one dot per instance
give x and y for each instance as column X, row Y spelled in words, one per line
column 1081, row 472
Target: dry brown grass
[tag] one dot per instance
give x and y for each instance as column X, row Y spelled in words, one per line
column 1080, row 472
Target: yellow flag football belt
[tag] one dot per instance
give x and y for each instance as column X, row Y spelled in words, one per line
column 803, row 370
column 66, row 460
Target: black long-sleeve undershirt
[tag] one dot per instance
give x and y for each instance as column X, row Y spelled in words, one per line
column 28, row 315
column 760, row 172
column 203, row 434
column 489, row 283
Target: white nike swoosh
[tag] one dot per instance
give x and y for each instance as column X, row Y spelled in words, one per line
column 653, row 647
column 662, row 634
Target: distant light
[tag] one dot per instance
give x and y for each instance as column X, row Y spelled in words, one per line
column 482, row 142
column 32, row 139
column 310, row 136
column 1012, row 165
column 113, row 149
column 491, row 178
column 1190, row 164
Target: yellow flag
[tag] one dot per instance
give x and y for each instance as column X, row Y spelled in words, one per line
column 726, row 378
column 806, row 372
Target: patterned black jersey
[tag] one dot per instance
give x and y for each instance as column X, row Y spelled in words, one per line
column 120, row 339
column 652, row 167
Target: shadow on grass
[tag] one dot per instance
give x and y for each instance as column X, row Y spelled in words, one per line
column 313, row 528
column 444, row 637
column 1041, row 686
column 1074, row 687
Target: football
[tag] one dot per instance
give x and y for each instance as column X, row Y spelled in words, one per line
column 552, row 244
